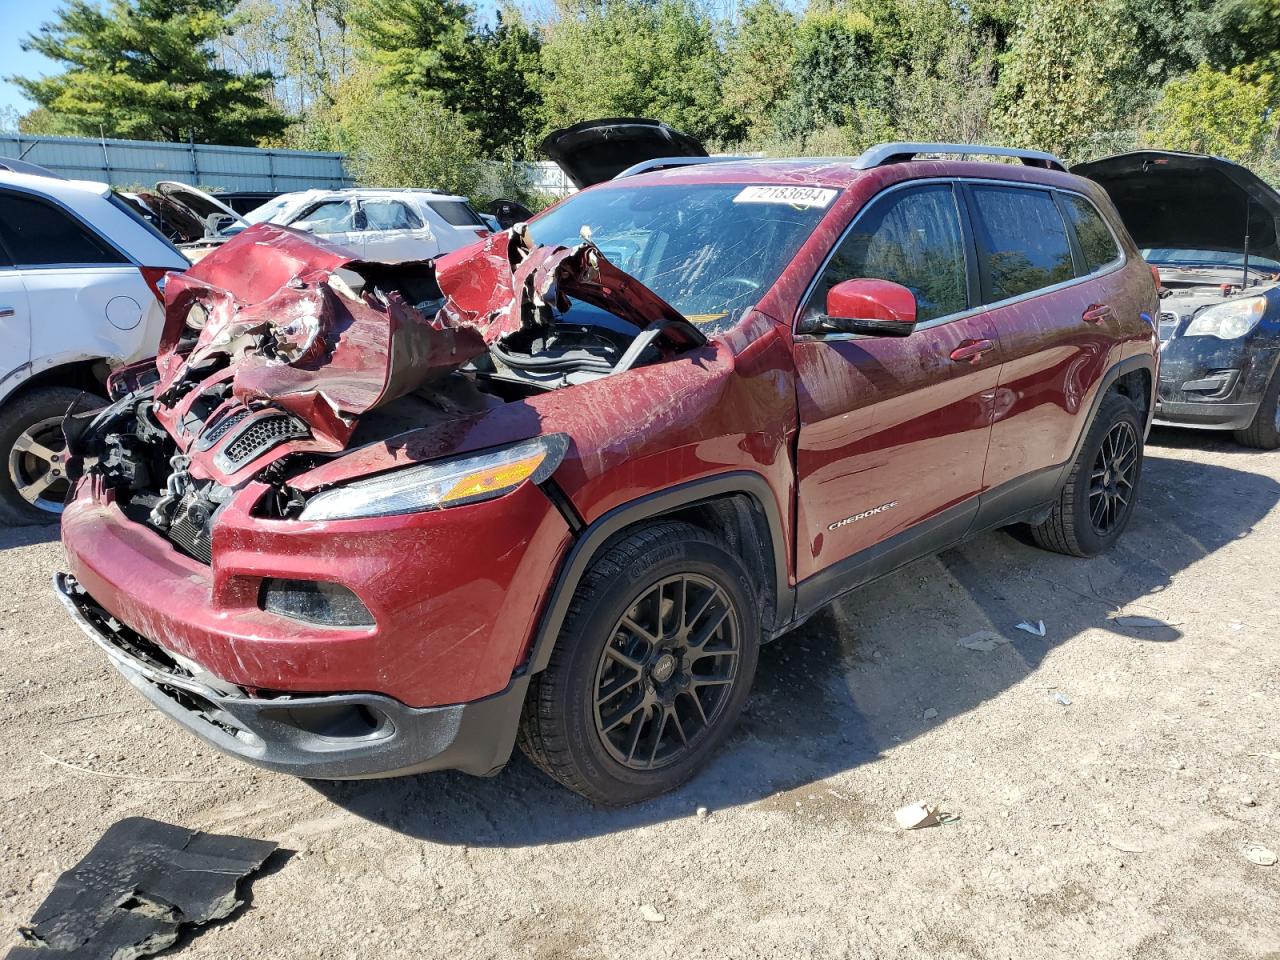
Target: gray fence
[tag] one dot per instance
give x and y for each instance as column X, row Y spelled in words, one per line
column 124, row 163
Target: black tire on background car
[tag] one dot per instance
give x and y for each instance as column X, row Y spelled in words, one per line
column 1263, row 432
column 651, row 668
column 33, row 480
column 1097, row 500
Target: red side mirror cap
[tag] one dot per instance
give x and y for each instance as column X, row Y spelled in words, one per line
column 870, row 307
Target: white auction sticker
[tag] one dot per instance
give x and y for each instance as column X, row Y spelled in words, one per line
column 819, row 197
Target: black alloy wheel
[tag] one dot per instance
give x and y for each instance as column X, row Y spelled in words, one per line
column 651, row 668
column 1112, row 480
column 665, row 675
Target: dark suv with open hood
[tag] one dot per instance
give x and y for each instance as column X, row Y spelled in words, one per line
column 362, row 519
column 1210, row 226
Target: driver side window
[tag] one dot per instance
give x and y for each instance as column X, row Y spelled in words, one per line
column 911, row 237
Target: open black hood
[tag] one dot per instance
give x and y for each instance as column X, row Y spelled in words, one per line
column 1189, row 201
column 598, row 150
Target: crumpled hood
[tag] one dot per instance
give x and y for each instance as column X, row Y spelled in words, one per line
column 1189, row 201
column 290, row 322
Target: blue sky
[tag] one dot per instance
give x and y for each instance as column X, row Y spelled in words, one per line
column 21, row 17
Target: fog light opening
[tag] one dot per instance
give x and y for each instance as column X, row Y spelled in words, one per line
column 314, row 601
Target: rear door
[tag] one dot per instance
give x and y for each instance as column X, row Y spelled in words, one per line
column 1056, row 331
column 893, row 431
column 393, row 231
column 84, row 295
column 15, row 323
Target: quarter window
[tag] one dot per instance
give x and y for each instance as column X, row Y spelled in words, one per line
column 39, row 234
column 456, row 213
column 1096, row 242
column 1022, row 240
column 911, row 237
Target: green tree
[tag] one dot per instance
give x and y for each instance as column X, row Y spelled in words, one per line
column 146, row 69
column 759, row 54
column 1230, row 114
column 417, row 48
column 407, row 141
column 655, row 58
column 499, row 96
column 1067, row 82
column 838, row 78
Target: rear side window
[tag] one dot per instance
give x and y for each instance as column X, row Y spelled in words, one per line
column 911, row 237
column 1096, row 242
column 389, row 215
column 1022, row 241
column 40, row 234
column 456, row 213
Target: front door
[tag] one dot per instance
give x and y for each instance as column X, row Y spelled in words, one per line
column 893, row 430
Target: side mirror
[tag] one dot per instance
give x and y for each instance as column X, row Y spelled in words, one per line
column 875, row 308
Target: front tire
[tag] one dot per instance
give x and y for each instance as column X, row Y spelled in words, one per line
column 33, row 481
column 1097, row 501
column 651, row 669
column 1263, row 432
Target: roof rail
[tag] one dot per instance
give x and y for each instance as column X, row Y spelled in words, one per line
column 885, row 153
column 664, row 163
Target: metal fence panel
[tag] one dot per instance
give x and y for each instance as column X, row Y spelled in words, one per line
column 131, row 163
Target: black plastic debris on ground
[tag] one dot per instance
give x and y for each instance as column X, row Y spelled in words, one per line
column 133, row 891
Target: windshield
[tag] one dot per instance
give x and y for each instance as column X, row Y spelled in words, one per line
column 711, row 251
column 1169, row 256
column 267, row 212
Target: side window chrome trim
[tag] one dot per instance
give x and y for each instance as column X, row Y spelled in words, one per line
column 1103, row 271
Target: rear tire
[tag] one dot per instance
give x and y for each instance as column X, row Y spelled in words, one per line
column 1097, row 501
column 33, row 481
column 651, row 669
column 1263, row 432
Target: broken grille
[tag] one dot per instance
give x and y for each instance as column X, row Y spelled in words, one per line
column 219, row 429
column 257, row 437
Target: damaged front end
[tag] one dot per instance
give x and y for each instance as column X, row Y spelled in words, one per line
column 281, row 350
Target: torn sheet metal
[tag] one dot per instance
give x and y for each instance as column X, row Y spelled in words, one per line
column 509, row 284
column 280, row 318
column 133, row 892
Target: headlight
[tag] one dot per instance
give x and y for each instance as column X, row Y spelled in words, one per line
column 445, row 483
column 1227, row 321
column 197, row 317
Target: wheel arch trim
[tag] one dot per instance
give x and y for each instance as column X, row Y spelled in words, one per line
column 651, row 507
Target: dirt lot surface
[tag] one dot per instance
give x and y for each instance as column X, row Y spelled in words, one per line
column 1115, row 826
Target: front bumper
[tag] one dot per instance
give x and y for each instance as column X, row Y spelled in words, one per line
column 1212, row 383
column 338, row 736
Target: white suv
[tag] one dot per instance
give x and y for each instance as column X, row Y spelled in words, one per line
column 382, row 225
column 80, row 281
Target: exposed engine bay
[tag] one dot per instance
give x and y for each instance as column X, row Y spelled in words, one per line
column 280, row 351
column 1187, row 292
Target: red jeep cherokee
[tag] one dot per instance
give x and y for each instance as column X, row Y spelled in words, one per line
column 364, row 520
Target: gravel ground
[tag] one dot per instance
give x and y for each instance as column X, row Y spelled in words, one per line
column 1114, row 826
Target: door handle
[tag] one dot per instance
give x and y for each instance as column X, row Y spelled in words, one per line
column 972, row 350
column 1097, row 313
column 7, row 312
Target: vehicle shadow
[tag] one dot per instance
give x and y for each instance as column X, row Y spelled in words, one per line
column 11, row 537
column 858, row 678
